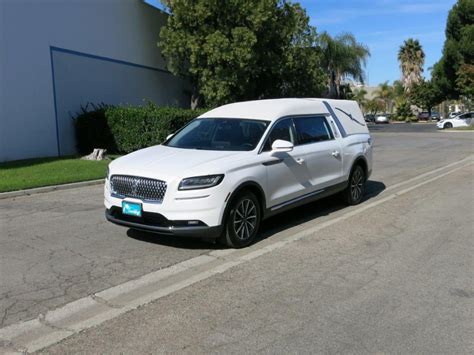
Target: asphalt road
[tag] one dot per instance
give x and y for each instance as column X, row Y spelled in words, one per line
column 403, row 127
column 56, row 248
column 395, row 280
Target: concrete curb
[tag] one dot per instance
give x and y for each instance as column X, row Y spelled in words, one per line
column 455, row 131
column 40, row 190
column 401, row 122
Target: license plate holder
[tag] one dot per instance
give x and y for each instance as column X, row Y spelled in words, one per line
column 132, row 209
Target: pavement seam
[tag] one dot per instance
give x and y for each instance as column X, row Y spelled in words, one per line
column 225, row 259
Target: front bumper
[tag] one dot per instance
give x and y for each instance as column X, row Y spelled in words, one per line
column 156, row 223
column 205, row 205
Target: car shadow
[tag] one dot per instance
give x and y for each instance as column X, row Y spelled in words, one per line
column 269, row 227
column 173, row 241
column 310, row 211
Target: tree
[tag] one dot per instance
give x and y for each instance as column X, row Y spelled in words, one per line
column 359, row 95
column 301, row 73
column 425, row 95
column 453, row 74
column 398, row 92
column 465, row 80
column 411, row 58
column 241, row 49
column 342, row 57
column 384, row 93
column 375, row 105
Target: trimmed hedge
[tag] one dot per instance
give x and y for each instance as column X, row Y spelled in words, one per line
column 123, row 129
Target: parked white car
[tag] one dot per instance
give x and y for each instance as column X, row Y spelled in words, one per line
column 382, row 119
column 227, row 170
column 461, row 120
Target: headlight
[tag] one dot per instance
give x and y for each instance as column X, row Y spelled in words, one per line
column 200, row 182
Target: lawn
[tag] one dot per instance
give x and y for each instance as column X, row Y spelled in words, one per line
column 26, row 174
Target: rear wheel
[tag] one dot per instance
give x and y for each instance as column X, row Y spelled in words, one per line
column 448, row 125
column 354, row 192
column 243, row 221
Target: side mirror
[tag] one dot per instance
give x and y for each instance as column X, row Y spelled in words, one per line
column 169, row 136
column 282, row 146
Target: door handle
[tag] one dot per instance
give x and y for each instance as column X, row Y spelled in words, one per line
column 300, row 160
column 335, row 153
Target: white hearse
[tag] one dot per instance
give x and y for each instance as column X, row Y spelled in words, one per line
column 227, row 170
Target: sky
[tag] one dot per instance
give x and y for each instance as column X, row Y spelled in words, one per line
column 383, row 25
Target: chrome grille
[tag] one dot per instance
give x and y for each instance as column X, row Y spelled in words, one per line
column 138, row 187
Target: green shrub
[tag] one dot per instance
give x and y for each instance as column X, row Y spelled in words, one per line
column 136, row 127
column 92, row 129
column 123, row 129
column 395, row 117
column 403, row 111
column 411, row 119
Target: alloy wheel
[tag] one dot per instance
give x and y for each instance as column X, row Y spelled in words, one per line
column 245, row 219
column 357, row 182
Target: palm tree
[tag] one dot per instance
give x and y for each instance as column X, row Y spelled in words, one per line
column 385, row 94
column 398, row 92
column 359, row 96
column 411, row 58
column 373, row 106
column 342, row 57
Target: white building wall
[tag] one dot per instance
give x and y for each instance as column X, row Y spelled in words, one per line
column 98, row 50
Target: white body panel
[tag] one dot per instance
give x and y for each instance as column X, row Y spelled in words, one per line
column 281, row 176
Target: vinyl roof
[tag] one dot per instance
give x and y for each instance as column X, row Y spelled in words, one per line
column 270, row 109
column 346, row 114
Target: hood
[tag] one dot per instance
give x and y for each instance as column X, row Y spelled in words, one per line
column 168, row 162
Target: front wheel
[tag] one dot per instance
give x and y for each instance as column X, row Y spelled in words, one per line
column 448, row 125
column 354, row 192
column 243, row 221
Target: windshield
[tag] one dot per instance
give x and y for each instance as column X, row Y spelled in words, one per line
column 230, row 134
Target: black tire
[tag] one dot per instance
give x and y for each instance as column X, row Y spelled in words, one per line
column 242, row 221
column 448, row 125
column 354, row 193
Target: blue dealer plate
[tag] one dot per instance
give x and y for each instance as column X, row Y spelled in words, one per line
column 132, row 209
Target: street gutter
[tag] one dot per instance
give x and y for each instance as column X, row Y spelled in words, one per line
column 39, row 190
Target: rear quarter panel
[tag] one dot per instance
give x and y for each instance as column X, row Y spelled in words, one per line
column 350, row 116
column 356, row 146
